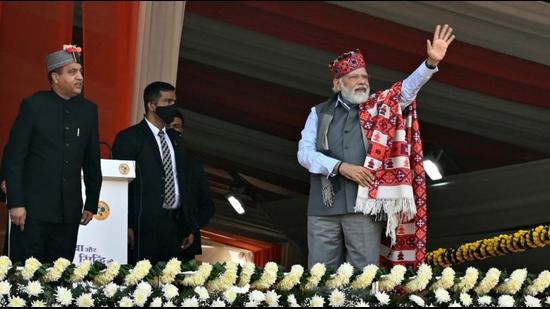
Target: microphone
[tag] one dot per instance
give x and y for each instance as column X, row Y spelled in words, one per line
column 108, row 147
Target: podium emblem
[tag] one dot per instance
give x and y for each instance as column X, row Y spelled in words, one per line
column 124, row 169
column 103, row 211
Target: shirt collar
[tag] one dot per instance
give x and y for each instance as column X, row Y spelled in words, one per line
column 154, row 129
column 340, row 100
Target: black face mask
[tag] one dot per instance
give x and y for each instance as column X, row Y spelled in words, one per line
column 167, row 113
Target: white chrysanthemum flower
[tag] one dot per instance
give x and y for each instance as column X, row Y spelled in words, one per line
column 419, row 301
column 423, row 277
column 145, row 288
column 362, row 304
column 202, row 292
column 110, row 290
column 126, row 302
column 442, row 296
column 485, row 300
column 337, row 298
column 246, row 273
column 272, row 299
column 489, row 282
column 317, row 301
column 38, row 303
column 292, row 279
column 446, row 281
column 170, row 291
column 54, row 273
column 317, row 272
column 268, row 277
column 506, row 301
column 229, row 296
column 469, row 281
column 31, row 266
column 157, row 302
column 396, row 276
column 140, row 271
column 218, row 303
column 547, row 300
column 64, row 296
column 466, row 299
column 108, row 274
column 513, row 284
column 17, row 302
column 292, row 302
column 342, row 277
column 531, row 301
column 256, row 296
column 34, row 288
column 250, row 304
column 140, row 297
column 5, row 288
column 170, row 271
column 365, row 279
column 81, row 271
column 540, row 284
column 5, row 265
column 85, row 300
column 190, row 302
column 382, row 298
column 170, row 304
column 199, row 277
column 455, row 304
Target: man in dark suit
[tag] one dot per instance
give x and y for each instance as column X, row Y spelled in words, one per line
column 160, row 221
column 54, row 137
column 202, row 205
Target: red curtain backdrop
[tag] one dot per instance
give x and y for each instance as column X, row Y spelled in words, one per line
column 263, row 251
column 29, row 31
column 109, row 34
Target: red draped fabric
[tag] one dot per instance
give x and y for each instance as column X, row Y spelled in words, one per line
column 110, row 32
column 263, row 251
column 29, row 31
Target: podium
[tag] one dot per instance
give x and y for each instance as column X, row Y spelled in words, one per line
column 105, row 238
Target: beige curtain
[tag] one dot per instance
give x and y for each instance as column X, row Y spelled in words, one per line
column 158, row 46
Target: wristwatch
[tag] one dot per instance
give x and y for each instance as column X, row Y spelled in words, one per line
column 335, row 169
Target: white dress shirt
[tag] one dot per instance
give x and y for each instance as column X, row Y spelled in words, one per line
column 319, row 163
column 156, row 131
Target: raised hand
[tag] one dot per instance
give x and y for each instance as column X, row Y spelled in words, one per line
column 441, row 41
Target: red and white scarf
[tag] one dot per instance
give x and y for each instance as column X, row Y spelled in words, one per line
column 399, row 191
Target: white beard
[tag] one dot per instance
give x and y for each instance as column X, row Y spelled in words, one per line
column 355, row 98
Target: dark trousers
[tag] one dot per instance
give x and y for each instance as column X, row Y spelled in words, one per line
column 43, row 240
column 159, row 240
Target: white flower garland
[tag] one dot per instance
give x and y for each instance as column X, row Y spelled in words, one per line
column 199, row 277
column 170, row 271
column 31, row 266
column 272, row 298
column 341, row 278
column 466, row 299
column 489, row 282
column 81, row 271
column 382, row 298
column 531, row 301
column 317, row 301
column 108, row 274
column 5, row 265
column 468, row 281
column 419, row 301
column 513, row 284
column 396, row 276
column 246, row 273
column 316, row 274
column 446, row 281
column 226, row 280
column 423, row 277
column 138, row 273
column 506, row 301
column 268, row 278
column 337, row 298
column 292, row 279
column 442, row 296
column 365, row 279
column 540, row 284
column 57, row 270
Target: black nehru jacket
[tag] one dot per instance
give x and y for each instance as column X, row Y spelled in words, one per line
column 51, row 140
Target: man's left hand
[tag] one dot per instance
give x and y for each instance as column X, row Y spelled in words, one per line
column 441, row 41
column 87, row 216
column 187, row 241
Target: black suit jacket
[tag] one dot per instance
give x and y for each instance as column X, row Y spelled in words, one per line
column 146, row 192
column 51, row 141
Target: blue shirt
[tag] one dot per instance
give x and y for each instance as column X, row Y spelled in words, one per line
column 319, row 163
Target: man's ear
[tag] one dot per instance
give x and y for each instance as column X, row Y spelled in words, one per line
column 336, row 84
column 55, row 78
column 150, row 106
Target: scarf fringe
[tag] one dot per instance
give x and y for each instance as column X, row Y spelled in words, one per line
column 394, row 210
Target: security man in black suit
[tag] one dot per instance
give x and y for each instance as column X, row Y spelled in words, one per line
column 160, row 221
column 201, row 204
column 54, row 137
